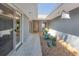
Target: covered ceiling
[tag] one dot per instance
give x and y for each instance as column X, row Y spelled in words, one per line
column 37, row 10
column 65, row 6
column 30, row 9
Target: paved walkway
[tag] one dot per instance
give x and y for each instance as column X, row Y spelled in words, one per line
column 31, row 47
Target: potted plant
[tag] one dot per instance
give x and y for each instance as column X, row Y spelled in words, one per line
column 52, row 41
column 45, row 33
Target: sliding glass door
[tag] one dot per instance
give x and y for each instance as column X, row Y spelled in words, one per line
column 6, row 30
column 17, row 26
column 10, row 37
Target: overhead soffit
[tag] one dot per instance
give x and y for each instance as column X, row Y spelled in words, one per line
column 29, row 9
column 67, row 7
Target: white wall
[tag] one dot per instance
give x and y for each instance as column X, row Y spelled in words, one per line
column 25, row 27
column 40, row 25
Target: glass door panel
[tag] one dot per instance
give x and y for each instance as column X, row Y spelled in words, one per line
column 6, row 30
column 17, row 28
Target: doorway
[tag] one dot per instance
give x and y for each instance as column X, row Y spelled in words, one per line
column 35, row 26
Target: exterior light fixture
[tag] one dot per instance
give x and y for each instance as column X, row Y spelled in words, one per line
column 17, row 17
column 65, row 15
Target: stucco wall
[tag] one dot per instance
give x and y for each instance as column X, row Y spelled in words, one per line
column 67, row 26
column 40, row 25
column 69, row 29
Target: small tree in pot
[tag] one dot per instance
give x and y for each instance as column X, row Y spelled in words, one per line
column 52, row 38
column 45, row 33
column 52, row 41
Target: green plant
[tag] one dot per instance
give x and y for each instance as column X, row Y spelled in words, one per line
column 52, row 41
column 45, row 30
column 45, row 33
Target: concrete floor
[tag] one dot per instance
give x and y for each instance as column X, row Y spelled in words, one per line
column 30, row 47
